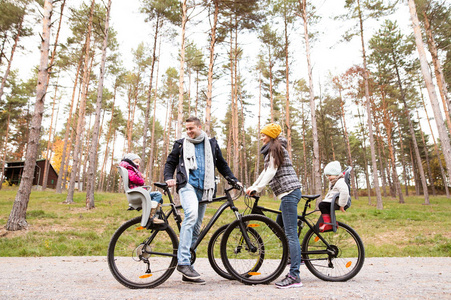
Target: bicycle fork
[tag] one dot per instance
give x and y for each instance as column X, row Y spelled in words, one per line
column 244, row 236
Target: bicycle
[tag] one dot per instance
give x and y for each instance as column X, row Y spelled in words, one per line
column 146, row 256
column 334, row 255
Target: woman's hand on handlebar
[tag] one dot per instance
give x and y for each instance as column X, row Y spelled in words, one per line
column 250, row 191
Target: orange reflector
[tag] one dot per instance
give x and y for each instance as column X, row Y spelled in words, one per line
column 316, row 239
column 140, row 228
column 348, row 264
column 145, row 276
column 253, row 225
column 254, row 273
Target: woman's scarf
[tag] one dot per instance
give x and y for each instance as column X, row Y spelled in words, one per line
column 189, row 158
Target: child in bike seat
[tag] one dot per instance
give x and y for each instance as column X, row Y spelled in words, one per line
column 337, row 186
column 135, row 179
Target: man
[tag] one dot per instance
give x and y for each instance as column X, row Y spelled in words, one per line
column 195, row 158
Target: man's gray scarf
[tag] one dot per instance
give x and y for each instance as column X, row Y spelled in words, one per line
column 189, row 158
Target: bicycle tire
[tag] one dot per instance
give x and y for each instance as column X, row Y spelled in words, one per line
column 139, row 258
column 214, row 253
column 345, row 256
column 267, row 262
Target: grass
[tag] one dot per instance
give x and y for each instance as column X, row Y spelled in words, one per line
column 57, row 229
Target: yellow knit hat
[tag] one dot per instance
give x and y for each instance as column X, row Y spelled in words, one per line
column 272, row 130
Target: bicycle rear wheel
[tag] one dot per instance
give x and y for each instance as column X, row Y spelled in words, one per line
column 214, row 253
column 341, row 261
column 140, row 258
column 262, row 264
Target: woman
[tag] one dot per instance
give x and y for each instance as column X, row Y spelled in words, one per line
column 281, row 177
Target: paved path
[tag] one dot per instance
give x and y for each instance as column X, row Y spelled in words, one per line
column 90, row 278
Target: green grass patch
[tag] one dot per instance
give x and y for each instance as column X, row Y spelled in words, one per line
column 57, row 229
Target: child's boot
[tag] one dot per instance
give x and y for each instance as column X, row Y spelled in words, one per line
column 154, row 215
column 324, row 227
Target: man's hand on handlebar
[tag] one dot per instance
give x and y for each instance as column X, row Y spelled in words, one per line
column 171, row 182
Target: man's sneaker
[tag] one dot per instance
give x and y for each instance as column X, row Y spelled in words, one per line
column 188, row 271
column 193, row 281
column 289, row 282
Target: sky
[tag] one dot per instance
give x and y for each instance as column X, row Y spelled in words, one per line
column 328, row 54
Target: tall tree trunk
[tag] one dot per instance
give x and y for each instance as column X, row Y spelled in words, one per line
column 257, row 157
column 316, row 163
column 379, row 204
column 182, row 72
column 426, row 152
column 47, row 159
column 17, row 217
column 5, row 144
column 412, row 133
column 403, row 160
column 287, row 105
column 142, row 163
column 96, row 132
column 152, row 140
column 81, row 115
column 61, row 173
column 442, row 131
column 210, row 68
column 442, row 86
column 348, row 146
column 13, row 50
column 388, row 126
column 437, row 152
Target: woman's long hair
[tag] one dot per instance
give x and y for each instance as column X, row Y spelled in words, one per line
column 276, row 150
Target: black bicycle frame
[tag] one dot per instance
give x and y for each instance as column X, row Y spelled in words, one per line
column 219, row 211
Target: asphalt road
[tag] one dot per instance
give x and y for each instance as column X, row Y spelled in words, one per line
column 90, row 278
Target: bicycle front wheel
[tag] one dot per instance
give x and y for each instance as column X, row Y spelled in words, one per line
column 214, row 253
column 264, row 259
column 139, row 258
column 341, row 260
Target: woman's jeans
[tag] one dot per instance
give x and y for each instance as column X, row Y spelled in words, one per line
column 190, row 229
column 289, row 208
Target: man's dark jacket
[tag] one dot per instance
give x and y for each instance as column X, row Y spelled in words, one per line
column 175, row 161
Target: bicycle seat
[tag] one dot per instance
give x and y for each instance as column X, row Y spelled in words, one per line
column 161, row 185
column 310, row 197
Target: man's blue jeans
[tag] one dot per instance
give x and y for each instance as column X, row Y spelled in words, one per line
column 191, row 225
column 289, row 208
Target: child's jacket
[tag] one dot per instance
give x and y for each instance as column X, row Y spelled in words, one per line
column 135, row 178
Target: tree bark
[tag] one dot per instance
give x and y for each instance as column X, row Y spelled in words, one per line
column 96, row 132
column 287, row 97
column 17, row 217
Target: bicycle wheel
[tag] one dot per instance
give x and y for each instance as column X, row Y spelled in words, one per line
column 214, row 253
column 341, row 261
column 140, row 258
column 268, row 258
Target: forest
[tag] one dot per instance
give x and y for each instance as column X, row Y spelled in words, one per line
column 237, row 65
